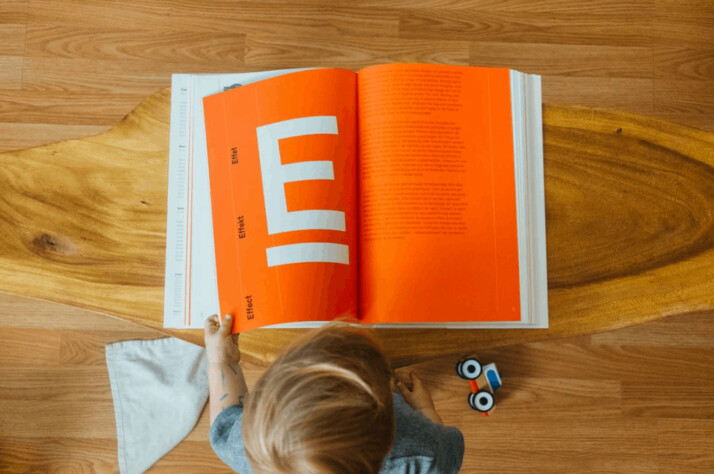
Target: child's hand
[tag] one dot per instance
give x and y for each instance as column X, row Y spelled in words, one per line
column 418, row 397
column 221, row 347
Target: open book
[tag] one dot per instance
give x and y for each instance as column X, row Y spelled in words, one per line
column 405, row 193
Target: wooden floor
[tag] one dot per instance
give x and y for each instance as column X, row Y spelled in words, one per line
column 633, row 400
column 76, row 67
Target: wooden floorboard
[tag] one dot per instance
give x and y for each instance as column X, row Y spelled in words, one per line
column 653, row 57
column 633, row 400
column 637, row 399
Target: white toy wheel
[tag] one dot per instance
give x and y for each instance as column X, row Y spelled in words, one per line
column 469, row 369
column 481, row 401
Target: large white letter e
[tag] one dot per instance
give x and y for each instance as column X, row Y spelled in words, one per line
column 275, row 175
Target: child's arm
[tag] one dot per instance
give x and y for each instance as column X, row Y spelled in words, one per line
column 226, row 384
column 419, row 398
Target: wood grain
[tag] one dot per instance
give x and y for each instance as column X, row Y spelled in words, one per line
column 625, row 28
column 52, row 454
column 12, row 72
column 113, row 50
column 266, row 51
column 172, row 47
column 681, row 62
column 629, row 229
column 547, row 59
column 685, row 445
column 19, row 134
column 75, row 68
column 630, row 400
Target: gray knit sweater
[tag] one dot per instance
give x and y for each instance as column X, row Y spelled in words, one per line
column 420, row 446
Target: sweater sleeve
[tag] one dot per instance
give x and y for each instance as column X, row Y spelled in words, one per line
column 227, row 439
column 422, row 446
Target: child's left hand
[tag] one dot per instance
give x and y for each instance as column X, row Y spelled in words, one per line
column 221, row 347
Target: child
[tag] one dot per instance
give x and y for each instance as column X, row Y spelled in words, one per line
column 325, row 405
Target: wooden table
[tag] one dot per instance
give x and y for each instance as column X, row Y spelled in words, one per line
column 630, row 228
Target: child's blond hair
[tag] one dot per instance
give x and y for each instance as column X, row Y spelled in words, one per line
column 324, row 405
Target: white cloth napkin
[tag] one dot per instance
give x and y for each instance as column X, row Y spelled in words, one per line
column 159, row 388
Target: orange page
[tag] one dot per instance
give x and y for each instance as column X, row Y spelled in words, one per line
column 282, row 167
column 438, row 233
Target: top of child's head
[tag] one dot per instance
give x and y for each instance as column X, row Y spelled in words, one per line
column 323, row 406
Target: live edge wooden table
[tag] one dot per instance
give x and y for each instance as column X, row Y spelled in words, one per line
column 629, row 219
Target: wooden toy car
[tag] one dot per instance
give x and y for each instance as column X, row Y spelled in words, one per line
column 483, row 380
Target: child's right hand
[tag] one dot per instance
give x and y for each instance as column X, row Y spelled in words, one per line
column 221, row 347
column 418, row 397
